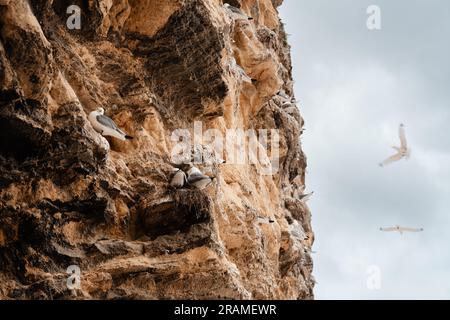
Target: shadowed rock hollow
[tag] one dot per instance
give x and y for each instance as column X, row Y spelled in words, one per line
column 70, row 197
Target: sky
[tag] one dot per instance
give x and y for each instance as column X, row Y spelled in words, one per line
column 355, row 86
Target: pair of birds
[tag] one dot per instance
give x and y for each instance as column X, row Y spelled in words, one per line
column 402, row 152
column 193, row 177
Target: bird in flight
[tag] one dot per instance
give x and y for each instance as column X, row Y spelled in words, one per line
column 401, row 229
column 106, row 126
column 402, row 152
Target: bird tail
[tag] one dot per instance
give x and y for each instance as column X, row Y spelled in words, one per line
column 129, row 137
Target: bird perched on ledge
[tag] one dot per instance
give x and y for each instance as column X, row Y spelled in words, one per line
column 305, row 197
column 236, row 12
column 197, row 179
column 106, row 126
column 179, row 179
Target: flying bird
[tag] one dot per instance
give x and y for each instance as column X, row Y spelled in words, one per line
column 197, row 179
column 401, row 229
column 106, row 126
column 402, row 152
column 236, row 12
column 179, row 179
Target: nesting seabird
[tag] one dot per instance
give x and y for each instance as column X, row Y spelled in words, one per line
column 269, row 220
column 291, row 110
column 197, row 179
column 283, row 94
column 240, row 71
column 297, row 231
column 402, row 152
column 238, row 13
column 401, row 229
column 298, row 191
column 179, row 179
column 305, row 197
column 309, row 250
column 106, row 126
column 288, row 104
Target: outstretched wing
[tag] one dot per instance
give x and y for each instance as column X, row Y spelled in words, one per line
column 389, row 160
column 108, row 122
column 389, row 229
column 411, row 229
column 401, row 134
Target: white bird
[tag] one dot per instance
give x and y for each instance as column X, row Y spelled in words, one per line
column 401, row 229
column 305, row 197
column 179, row 179
column 297, row 231
column 236, row 12
column 240, row 71
column 288, row 104
column 291, row 110
column 197, row 179
column 269, row 220
column 106, row 126
column 402, row 152
column 283, row 94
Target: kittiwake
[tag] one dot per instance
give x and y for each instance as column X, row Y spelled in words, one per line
column 106, row 126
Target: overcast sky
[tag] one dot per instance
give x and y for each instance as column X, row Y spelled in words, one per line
column 355, row 87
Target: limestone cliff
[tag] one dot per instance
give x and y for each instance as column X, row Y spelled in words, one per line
column 70, row 197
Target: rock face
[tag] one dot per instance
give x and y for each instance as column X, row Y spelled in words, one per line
column 69, row 197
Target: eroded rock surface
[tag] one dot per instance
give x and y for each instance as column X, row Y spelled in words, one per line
column 69, row 197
